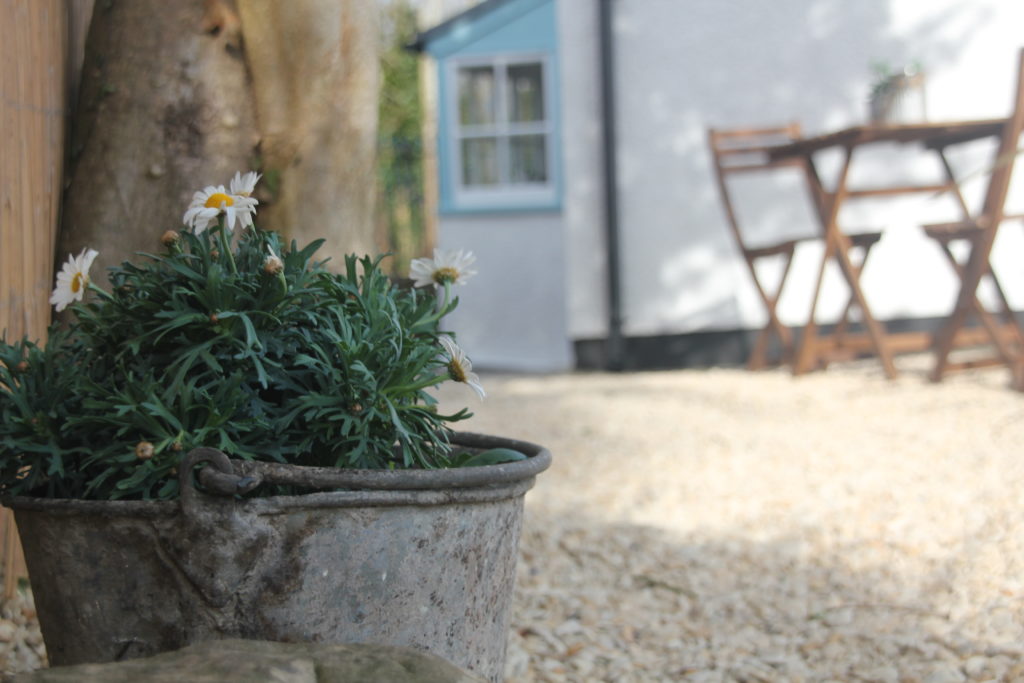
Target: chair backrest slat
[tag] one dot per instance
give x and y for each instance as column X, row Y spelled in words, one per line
column 744, row 150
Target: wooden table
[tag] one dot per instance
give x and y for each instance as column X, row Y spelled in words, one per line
column 930, row 136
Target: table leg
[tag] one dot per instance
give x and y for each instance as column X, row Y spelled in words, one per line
column 806, row 357
column 837, row 246
column 875, row 330
column 807, row 353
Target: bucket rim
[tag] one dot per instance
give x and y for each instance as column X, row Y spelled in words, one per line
column 353, row 482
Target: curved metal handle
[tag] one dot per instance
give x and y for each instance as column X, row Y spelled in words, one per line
column 218, row 478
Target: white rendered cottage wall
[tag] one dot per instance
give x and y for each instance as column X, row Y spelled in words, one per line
column 582, row 159
column 684, row 66
column 511, row 314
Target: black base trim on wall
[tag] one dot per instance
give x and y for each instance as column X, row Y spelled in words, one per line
column 725, row 348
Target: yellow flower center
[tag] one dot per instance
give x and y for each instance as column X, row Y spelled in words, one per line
column 456, row 371
column 78, row 282
column 446, row 274
column 219, row 199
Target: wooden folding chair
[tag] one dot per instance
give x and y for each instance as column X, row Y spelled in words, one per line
column 740, row 151
column 978, row 233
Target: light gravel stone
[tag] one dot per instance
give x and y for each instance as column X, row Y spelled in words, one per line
column 720, row 525
column 945, row 674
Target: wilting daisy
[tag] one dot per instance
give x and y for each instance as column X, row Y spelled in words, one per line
column 446, row 267
column 209, row 203
column 244, row 184
column 273, row 264
column 73, row 279
column 460, row 368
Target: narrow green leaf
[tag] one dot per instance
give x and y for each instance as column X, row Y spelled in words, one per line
column 494, row 456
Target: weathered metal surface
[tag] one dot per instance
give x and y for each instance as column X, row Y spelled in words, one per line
column 429, row 568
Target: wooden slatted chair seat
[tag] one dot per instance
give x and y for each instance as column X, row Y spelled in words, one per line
column 786, row 247
column 946, row 233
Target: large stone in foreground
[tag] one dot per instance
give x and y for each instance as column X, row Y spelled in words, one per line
column 253, row 661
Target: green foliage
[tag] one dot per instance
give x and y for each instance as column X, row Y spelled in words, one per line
column 400, row 206
column 205, row 346
column 886, row 78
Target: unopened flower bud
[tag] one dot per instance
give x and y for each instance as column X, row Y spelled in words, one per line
column 144, row 450
column 273, row 265
column 22, row 366
column 170, row 238
column 214, row 319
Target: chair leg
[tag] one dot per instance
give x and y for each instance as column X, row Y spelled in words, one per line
column 839, row 333
column 1008, row 351
column 807, row 356
column 1010, row 320
column 758, row 359
column 1017, row 370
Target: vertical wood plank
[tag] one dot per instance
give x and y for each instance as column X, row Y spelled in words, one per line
column 33, row 66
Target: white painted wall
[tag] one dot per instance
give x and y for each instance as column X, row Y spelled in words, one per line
column 685, row 66
column 511, row 314
column 582, row 158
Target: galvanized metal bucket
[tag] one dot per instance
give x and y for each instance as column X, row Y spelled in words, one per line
column 421, row 558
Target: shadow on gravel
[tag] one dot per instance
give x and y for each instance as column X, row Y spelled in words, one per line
column 635, row 603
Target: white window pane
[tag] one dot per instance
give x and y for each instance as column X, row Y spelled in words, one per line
column 525, row 84
column 528, row 159
column 476, row 95
column 480, row 162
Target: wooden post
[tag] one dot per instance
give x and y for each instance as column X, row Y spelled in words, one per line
column 33, row 59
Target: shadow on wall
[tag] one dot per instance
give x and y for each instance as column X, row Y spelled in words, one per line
column 732, row 65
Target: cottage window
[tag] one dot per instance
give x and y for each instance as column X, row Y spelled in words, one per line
column 502, row 132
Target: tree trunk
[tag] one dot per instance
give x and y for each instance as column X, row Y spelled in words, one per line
column 315, row 71
column 168, row 105
column 164, row 108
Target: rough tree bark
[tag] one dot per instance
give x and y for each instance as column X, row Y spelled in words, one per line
column 168, row 104
column 163, row 108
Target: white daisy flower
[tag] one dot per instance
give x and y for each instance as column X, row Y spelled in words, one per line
column 209, row 203
column 73, row 279
column 460, row 368
column 244, row 184
column 446, row 267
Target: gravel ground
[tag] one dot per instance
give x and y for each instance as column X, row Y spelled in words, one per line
column 722, row 525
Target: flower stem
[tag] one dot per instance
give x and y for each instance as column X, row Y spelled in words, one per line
column 225, row 244
column 447, row 298
column 99, row 290
column 439, row 312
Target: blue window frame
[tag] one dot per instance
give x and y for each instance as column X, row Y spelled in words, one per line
column 500, row 131
column 498, row 115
